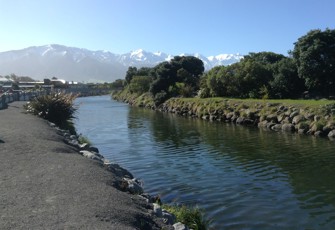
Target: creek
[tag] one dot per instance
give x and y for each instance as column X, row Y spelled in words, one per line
column 242, row 177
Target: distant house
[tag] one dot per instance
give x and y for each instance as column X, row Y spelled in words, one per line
column 4, row 80
column 5, row 84
column 59, row 83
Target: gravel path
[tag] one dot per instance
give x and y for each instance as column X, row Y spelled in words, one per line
column 46, row 184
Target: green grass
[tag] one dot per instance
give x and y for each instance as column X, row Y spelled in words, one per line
column 248, row 101
column 83, row 140
column 192, row 217
column 145, row 99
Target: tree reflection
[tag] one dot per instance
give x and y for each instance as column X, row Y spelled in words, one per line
column 307, row 163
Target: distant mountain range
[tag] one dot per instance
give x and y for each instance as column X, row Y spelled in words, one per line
column 76, row 64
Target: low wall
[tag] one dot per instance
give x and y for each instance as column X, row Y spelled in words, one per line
column 17, row 96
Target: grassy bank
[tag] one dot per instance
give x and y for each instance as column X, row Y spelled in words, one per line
column 313, row 117
column 143, row 100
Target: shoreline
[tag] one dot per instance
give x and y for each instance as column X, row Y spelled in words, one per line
column 267, row 115
column 42, row 170
column 311, row 120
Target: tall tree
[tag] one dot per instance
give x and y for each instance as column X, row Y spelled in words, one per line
column 185, row 70
column 131, row 72
column 314, row 54
column 286, row 83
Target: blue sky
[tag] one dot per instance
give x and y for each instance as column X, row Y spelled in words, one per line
column 208, row 27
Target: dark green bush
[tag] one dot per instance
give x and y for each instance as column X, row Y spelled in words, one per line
column 160, row 97
column 57, row 108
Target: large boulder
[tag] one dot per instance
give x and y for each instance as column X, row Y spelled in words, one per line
column 288, row 127
column 294, row 113
column 276, row 127
column 262, row 124
column 240, row 120
column 92, row 155
column 280, row 117
column 331, row 134
column 272, row 118
column 297, row 119
column 133, row 186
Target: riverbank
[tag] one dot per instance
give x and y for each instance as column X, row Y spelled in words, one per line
column 46, row 184
column 311, row 117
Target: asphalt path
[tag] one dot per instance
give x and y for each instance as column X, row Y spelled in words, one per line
column 46, row 184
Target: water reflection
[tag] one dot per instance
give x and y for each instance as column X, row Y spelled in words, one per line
column 280, row 169
column 245, row 178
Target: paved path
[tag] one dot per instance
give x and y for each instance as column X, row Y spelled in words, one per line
column 45, row 184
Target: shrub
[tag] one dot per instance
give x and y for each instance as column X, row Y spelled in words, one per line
column 140, row 84
column 192, row 217
column 57, row 108
column 160, row 97
column 82, row 140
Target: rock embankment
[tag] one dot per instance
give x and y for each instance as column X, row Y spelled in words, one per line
column 126, row 182
column 318, row 121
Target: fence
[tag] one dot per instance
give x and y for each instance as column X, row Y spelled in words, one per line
column 18, row 96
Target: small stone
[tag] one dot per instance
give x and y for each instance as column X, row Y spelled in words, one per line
column 158, row 210
column 262, row 124
column 282, row 108
column 293, row 114
column 86, row 153
column 309, row 116
column 180, row 226
column 206, row 117
column 249, row 122
column 93, row 149
column 269, row 125
column 272, row 118
column 317, row 117
column 73, row 143
column 168, row 218
column 280, row 118
column 212, row 117
column 84, row 146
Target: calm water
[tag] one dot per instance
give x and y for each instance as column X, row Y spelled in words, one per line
column 244, row 178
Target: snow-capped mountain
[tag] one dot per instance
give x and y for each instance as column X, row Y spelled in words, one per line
column 141, row 57
column 224, row 59
column 78, row 64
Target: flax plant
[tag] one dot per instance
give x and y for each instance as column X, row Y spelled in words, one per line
column 57, row 108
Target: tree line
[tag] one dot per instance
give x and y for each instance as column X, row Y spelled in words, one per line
column 308, row 69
